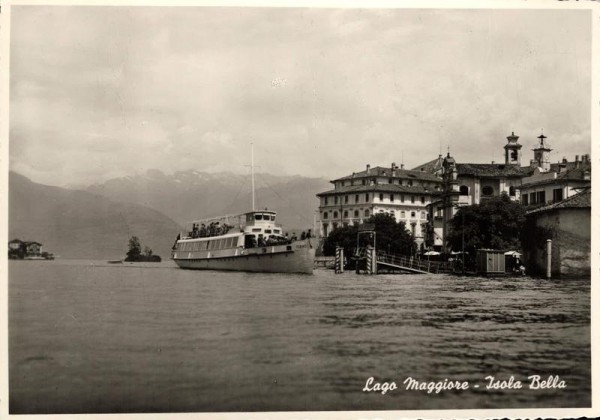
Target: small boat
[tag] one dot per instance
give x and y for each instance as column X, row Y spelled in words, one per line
column 115, row 262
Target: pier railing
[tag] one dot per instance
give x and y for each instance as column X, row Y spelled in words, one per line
column 415, row 263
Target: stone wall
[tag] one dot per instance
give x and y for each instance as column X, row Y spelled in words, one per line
column 570, row 231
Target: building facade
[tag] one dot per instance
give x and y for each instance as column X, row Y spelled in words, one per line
column 558, row 182
column 568, row 224
column 466, row 184
column 404, row 194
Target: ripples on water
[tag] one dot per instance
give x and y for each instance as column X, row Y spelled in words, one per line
column 86, row 336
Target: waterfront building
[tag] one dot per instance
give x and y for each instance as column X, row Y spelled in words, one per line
column 557, row 182
column 568, row 224
column 18, row 249
column 469, row 183
column 404, row 194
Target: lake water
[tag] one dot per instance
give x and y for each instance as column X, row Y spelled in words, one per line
column 92, row 337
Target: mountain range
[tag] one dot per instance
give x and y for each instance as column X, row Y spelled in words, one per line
column 192, row 195
column 96, row 221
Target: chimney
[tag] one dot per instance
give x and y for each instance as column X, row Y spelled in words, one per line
column 562, row 166
column 368, row 168
column 564, row 160
column 586, row 176
column 493, row 162
column 576, row 158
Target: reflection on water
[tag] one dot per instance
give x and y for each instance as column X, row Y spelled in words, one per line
column 89, row 337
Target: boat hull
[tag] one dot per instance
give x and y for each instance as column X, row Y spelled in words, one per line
column 295, row 258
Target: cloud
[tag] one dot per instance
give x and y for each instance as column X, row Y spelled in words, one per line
column 121, row 90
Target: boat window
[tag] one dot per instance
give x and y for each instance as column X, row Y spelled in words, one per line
column 256, row 229
column 268, row 231
column 277, row 230
column 258, row 217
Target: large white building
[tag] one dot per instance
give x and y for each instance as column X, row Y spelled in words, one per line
column 405, row 194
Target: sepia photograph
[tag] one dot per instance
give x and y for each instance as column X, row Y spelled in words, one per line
column 322, row 208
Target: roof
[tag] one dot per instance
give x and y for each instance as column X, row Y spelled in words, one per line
column 16, row 241
column 579, row 200
column 387, row 172
column 571, row 173
column 432, row 166
column 389, row 188
column 32, row 243
column 492, row 170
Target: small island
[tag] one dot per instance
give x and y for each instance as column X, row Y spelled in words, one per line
column 135, row 253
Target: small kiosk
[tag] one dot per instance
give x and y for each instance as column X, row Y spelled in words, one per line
column 490, row 261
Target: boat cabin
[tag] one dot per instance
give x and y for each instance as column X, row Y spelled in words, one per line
column 260, row 226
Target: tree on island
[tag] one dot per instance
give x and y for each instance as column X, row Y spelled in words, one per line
column 135, row 252
column 495, row 223
column 391, row 236
column 147, row 251
column 135, row 249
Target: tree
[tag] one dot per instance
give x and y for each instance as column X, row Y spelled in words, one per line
column 390, row 236
column 496, row 223
column 135, row 249
column 344, row 237
column 148, row 251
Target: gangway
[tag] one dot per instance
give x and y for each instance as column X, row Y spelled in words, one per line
column 411, row 264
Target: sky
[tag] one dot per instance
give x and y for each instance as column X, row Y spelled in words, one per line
column 104, row 92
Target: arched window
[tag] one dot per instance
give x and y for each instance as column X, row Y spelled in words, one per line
column 402, row 214
column 464, row 190
column 345, row 214
column 511, row 191
column 325, row 215
column 335, row 214
column 355, row 213
column 413, row 214
column 487, row 190
column 380, row 197
column 367, row 213
column 423, row 216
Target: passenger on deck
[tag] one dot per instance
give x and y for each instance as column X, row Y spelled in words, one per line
column 308, row 234
column 302, row 236
column 294, row 237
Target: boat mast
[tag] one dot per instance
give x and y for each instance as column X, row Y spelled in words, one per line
column 252, row 170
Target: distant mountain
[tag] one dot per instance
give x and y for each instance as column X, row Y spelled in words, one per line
column 191, row 195
column 79, row 224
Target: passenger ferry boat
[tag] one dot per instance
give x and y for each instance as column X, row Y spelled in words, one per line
column 245, row 242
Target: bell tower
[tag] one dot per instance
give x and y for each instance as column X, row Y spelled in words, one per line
column 512, row 150
column 541, row 154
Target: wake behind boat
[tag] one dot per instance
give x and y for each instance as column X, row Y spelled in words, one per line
column 245, row 242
